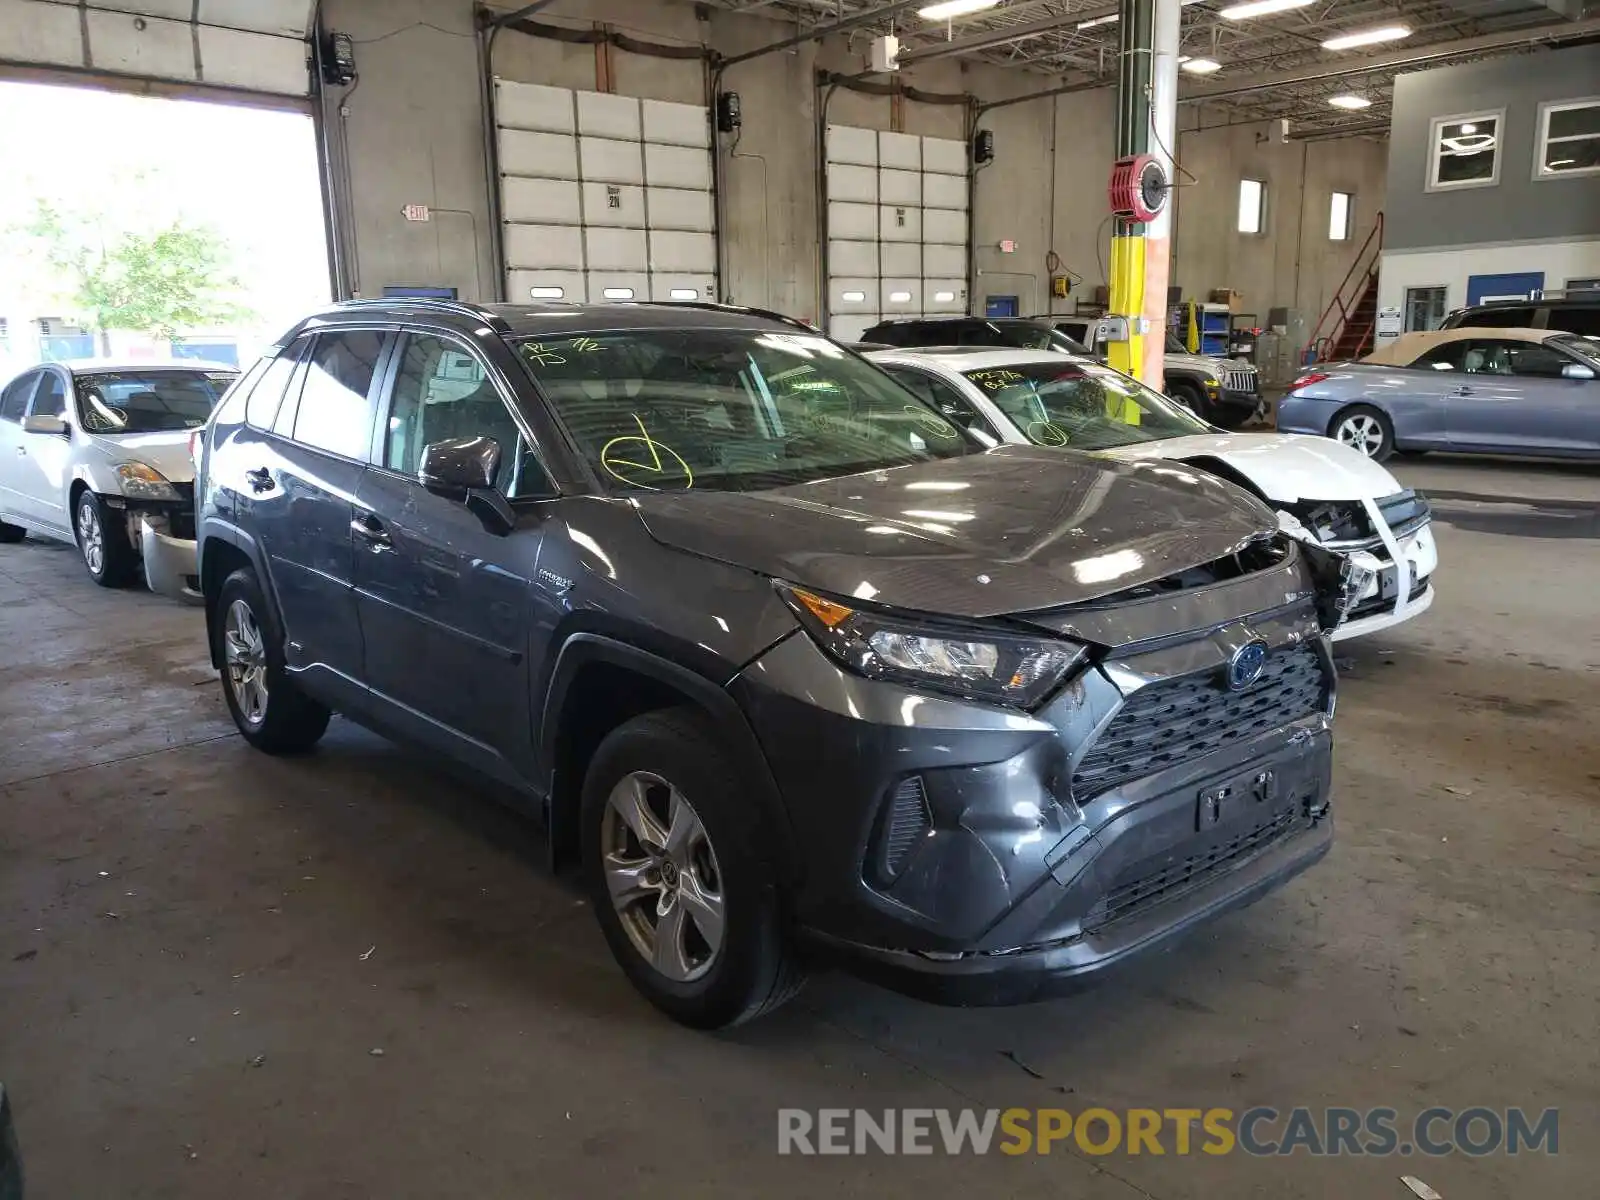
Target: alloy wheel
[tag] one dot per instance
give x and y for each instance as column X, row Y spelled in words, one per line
column 91, row 537
column 663, row 877
column 1361, row 432
column 245, row 662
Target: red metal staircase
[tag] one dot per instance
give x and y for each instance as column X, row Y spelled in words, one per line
column 1348, row 324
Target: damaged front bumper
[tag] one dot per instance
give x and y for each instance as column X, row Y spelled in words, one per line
column 1374, row 582
column 169, row 562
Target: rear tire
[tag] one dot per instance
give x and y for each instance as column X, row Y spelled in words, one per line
column 1365, row 430
column 701, row 874
column 102, row 537
column 272, row 713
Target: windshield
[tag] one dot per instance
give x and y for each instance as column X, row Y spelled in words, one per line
column 1083, row 405
column 1586, row 348
column 731, row 409
column 149, row 401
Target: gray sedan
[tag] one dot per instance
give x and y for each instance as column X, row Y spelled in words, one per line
column 1474, row 390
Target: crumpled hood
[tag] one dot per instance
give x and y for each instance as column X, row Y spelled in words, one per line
column 1011, row 530
column 1287, row 467
column 167, row 452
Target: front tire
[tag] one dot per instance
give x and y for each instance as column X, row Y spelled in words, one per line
column 270, row 711
column 102, row 536
column 1188, row 395
column 677, row 871
column 1364, row 429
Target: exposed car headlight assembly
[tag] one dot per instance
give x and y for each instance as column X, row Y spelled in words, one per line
column 142, row 482
column 975, row 664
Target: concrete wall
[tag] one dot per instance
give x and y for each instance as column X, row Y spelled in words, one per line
column 1292, row 262
column 413, row 132
column 1518, row 206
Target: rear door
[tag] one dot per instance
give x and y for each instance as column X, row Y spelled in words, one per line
column 13, row 407
column 42, row 460
column 446, row 603
column 296, row 491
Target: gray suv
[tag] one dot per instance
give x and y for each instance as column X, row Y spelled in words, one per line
column 793, row 669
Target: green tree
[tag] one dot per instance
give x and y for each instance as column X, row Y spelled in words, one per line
column 161, row 281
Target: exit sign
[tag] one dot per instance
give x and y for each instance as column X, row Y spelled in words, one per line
column 416, row 212
column 1008, row 246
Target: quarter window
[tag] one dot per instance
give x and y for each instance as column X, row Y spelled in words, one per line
column 261, row 408
column 1569, row 139
column 336, row 400
column 1465, row 151
column 443, row 392
column 51, row 399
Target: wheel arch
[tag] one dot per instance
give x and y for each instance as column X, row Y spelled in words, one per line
column 222, row 550
column 597, row 684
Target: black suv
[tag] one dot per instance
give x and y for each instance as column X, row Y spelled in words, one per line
column 1019, row 333
column 1571, row 312
column 790, row 666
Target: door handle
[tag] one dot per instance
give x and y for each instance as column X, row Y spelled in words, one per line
column 260, row 480
column 370, row 530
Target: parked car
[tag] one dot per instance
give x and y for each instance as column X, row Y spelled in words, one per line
column 790, row 663
column 1025, row 333
column 1225, row 391
column 97, row 453
column 1480, row 391
column 1566, row 312
column 1326, row 493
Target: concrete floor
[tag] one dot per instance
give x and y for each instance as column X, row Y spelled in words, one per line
column 201, row 947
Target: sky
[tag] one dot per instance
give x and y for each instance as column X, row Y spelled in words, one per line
column 250, row 173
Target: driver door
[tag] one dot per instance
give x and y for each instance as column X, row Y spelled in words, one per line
column 445, row 603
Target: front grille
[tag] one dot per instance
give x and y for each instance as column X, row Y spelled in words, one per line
column 1235, row 379
column 1178, row 720
column 1175, row 878
column 1380, row 604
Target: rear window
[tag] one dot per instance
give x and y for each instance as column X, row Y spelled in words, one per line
column 113, row 402
column 1582, row 319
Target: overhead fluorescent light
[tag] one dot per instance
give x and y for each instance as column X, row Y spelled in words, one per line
column 685, row 294
column 618, row 293
column 1200, row 66
column 1367, row 37
column 547, row 293
column 1261, row 8
column 1110, row 19
column 1351, row 102
column 954, row 8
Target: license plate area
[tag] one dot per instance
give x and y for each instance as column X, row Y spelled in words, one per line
column 1249, row 797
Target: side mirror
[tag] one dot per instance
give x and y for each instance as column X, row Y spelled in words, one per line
column 465, row 469
column 40, row 423
column 1576, row 371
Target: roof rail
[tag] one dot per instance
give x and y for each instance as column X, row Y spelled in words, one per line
column 490, row 318
column 713, row 306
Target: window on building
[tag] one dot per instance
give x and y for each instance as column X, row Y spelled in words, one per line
column 1466, row 151
column 1424, row 308
column 1252, row 205
column 1569, row 139
column 1339, row 217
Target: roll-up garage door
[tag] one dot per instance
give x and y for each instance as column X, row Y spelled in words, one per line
column 256, row 45
column 897, row 227
column 604, row 197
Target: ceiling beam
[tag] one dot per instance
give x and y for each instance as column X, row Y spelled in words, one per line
column 1003, row 34
column 1398, row 58
column 818, row 32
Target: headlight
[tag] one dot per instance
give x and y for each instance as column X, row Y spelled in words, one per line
column 977, row 664
column 141, row 482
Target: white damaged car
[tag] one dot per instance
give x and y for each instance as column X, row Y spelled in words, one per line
column 97, row 453
column 1324, row 492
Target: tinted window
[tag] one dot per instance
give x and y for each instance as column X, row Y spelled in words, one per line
column 335, row 411
column 261, row 409
column 1576, row 318
column 51, row 398
column 1532, row 359
column 231, row 408
column 443, row 392
column 14, row 400
column 148, row 401
column 731, row 409
column 1509, row 317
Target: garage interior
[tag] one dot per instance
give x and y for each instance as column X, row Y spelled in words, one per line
column 350, row 975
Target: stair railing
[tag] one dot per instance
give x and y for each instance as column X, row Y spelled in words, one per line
column 1330, row 327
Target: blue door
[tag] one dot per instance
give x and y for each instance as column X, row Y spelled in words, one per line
column 1518, row 285
column 999, row 306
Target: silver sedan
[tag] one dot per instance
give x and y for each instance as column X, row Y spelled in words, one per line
column 1472, row 390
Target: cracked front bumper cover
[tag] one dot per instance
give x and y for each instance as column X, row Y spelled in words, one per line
column 169, row 563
